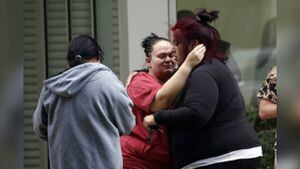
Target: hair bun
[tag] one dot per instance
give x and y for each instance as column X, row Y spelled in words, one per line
column 148, row 40
column 206, row 16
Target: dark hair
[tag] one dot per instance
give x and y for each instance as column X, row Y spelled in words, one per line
column 149, row 41
column 83, row 48
column 224, row 46
column 185, row 13
column 187, row 29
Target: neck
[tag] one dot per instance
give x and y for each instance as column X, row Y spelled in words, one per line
column 93, row 60
column 160, row 79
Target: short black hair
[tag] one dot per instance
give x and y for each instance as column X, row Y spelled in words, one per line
column 81, row 48
column 149, row 41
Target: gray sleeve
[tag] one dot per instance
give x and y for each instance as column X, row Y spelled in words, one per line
column 120, row 104
column 40, row 118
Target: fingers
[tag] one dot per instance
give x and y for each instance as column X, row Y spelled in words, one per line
column 145, row 125
column 199, row 47
column 200, row 50
column 195, row 56
column 146, row 122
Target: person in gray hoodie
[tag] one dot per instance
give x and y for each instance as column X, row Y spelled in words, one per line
column 82, row 111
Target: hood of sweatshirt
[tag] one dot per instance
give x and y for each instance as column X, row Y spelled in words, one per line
column 71, row 81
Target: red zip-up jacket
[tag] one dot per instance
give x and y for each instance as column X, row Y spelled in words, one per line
column 137, row 151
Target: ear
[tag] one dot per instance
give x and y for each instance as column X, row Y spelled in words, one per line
column 148, row 59
column 193, row 44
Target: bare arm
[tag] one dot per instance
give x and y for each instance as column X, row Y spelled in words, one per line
column 267, row 109
column 170, row 90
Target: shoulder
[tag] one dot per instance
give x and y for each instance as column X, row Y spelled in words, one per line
column 214, row 70
column 142, row 76
column 209, row 67
column 272, row 73
column 142, row 85
column 142, row 79
column 271, row 78
column 202, row 75
column 105, row 79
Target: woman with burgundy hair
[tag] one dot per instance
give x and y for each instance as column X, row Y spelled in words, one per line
column 209, row 122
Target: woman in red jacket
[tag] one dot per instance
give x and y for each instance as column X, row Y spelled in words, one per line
column 151, row 91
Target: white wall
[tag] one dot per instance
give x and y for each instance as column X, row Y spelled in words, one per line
column 138, row 19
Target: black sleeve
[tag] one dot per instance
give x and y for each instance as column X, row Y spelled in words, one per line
column 199, row 103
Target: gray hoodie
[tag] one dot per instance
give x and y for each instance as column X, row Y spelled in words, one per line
column 81, row 113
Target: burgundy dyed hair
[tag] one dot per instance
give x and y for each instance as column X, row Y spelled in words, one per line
column 187, row 29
